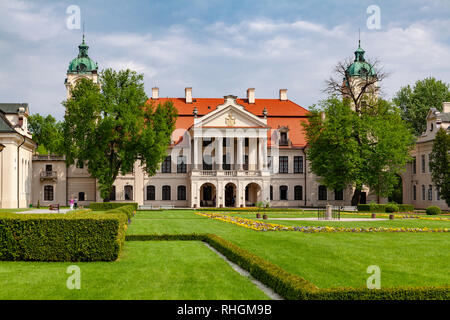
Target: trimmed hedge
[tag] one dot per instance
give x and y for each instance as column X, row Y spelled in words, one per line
column 128, row 210
column 69, row 237
column 103, row 206
column 433, row 210
column 293, row 287
column 372, row 207
column 249, row 209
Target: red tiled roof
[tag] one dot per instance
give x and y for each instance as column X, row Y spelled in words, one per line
column 280, row 113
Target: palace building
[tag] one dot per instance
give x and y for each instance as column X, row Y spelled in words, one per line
column 225, row 152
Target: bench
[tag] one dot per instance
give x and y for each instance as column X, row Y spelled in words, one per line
column 54, row 207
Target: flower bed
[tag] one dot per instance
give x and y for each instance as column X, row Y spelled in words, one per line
column 265, row 226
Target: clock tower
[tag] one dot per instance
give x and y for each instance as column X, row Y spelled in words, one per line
column 81, row 67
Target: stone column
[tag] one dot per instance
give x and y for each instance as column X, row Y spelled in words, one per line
column 240, row 153
column 252, row 153
column 328, row 212
column 219, row 153
column 195, row 155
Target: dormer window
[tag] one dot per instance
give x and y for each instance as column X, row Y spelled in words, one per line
column 284, row 138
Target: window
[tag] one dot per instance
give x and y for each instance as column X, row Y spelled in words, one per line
column 414, row 165
column 284, row 138
column 128, row 191
column 207, row 162
column 166, row 192
column 283, row 192
column 181, row 193
column 48, row 167
column 271, row 192
column 431, row 126
column 322, row 193
column 245, row 162
column 151, row 193
column 226, row 160
column 339, row 195
column 207, row 141
column 246, row 141
column 181, row 164
column 80, row 164
column 298, row 164
column 81, row 196
column 423, row 165
column 166, row 165
column 298, row 193
column 430, row 193
column 283, row 167
column 438, row 196
column 423, row 192
column 48, row 193
column 414, row 192
column 112, row 194
column 269, row 163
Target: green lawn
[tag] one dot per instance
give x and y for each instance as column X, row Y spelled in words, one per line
column 145, row 270
column 327, row 260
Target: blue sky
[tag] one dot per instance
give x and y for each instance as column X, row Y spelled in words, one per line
column 218, row 47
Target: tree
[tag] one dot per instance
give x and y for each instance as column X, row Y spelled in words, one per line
column 47, row 133
column 350, row 148
column 415, row 102
column 440, row 164
column 110, row 127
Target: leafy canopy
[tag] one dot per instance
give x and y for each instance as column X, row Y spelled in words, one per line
column 110, row 127
column 440, row 164
column 47, row 133
column 415, row 102
column 357, row 148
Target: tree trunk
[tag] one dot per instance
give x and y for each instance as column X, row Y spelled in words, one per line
column 356, row 196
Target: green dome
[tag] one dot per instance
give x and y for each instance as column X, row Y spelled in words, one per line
column 360, row 68
column 82, row 63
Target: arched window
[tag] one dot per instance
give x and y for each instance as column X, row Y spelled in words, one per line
column 48, row 193
column 150, row 193
column 81, row 196
column 166, row 192
column 298, row 193
column 128, row 191
column 283, row 192
column 181, row 193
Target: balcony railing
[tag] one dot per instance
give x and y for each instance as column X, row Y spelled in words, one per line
column 48, row 157
column 49, row 175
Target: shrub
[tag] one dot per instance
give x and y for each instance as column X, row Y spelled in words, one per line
column 69, row 237
column 433, row 210
column 294, row 287
column 380, row 208
column 103, row 206
column 390, row 208
column 128, row 210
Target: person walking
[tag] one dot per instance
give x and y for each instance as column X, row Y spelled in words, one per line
column 71, row 202
column 76, row 203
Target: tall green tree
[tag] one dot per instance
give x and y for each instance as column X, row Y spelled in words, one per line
column 415, row 102
column 440, row 164
column 350, row 148
column 111, row 126
column 47, row 133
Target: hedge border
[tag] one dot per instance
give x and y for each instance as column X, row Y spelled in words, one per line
column 375, row 207
column 293, row 287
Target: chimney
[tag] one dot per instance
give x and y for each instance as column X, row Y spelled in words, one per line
column 251, row 95
column 155, row 93
column 445, row 107
column 188, row 94
column 283, row 94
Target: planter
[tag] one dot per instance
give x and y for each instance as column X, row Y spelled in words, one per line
column 242, row 205
column 265, row 216
column 258, row 216
column 374, row 215
column 391, row 217
column 195, row 205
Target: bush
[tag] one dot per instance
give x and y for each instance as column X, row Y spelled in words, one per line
column 69, row 237
column 433, row 210
column 380, row 208
column 294, row 287
column 103, row 206
column 128, row 210
column 391, row 208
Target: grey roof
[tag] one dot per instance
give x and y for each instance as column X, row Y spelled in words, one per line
column 445, row 117
column 5, row 125
column 12, row 107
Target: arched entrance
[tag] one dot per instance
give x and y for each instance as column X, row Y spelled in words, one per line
column 207, row 195
column 230, row 195
column 253, row 194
